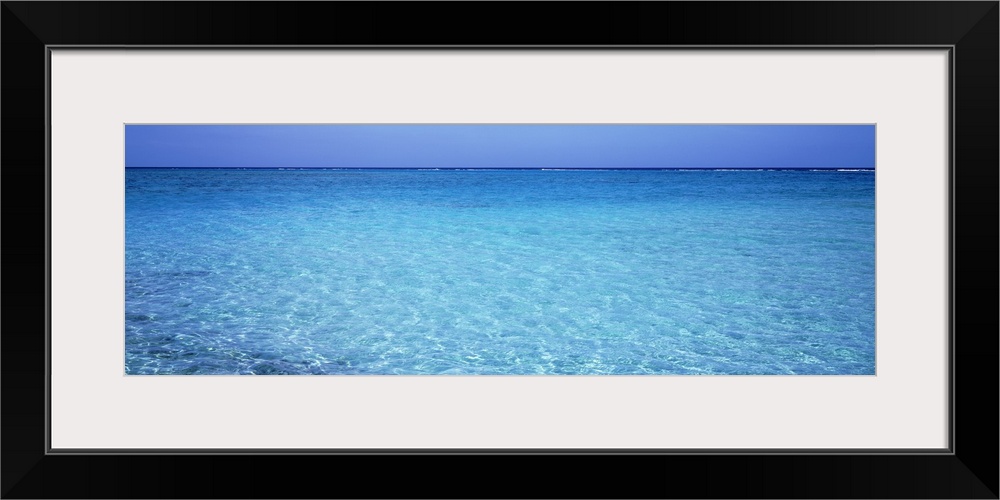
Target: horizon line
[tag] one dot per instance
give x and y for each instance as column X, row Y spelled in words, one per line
column 498, row 168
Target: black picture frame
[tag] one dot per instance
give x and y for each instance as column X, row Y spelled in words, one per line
column 968, row 470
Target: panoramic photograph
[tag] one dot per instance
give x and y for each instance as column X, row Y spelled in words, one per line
column 499, row 249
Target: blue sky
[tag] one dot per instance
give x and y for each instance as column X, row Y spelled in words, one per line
column 501, row 146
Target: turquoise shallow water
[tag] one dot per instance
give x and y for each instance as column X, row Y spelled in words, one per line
column 499, row 272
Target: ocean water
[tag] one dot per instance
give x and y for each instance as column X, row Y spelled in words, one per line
column 499, row 272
